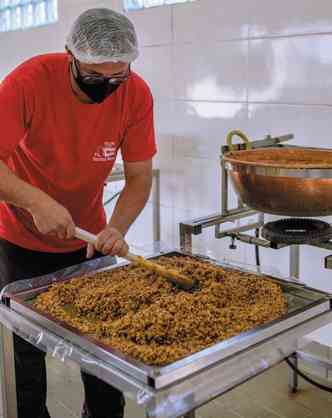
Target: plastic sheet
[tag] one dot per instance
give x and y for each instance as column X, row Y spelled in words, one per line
column 63, row 350
column 179, row 398
column 79, row 269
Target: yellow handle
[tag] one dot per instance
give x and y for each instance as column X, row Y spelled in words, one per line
column 172, row 275
column 237, row 132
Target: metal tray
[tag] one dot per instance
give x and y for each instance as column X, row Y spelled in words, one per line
column 304, row 304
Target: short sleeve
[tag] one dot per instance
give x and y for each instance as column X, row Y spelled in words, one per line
column 14, row 116
column 139, row 141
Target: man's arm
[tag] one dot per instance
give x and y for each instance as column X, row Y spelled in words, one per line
column 48, row 215
column 134, row 195
column 17, row 102
column 16, row 191
column 129, row 205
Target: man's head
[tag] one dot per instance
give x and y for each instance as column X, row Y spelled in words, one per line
column 102, row 44
column 103, row 36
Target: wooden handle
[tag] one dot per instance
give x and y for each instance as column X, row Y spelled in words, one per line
column 172, row 275
column 85, row 236
column 175, row 277
column 133, row 258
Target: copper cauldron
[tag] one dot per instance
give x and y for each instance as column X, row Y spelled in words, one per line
column 283, row 181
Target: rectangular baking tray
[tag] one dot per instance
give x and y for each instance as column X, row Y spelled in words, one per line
column 304, row 303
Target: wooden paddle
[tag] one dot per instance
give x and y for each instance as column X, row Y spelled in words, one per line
column 172, row 275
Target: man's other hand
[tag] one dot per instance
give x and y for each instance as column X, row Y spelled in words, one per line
column 52, row 218
column 110, row 241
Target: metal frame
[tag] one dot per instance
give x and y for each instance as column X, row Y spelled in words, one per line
column 195, row 226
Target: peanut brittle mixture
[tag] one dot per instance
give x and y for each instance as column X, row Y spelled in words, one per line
column 144, row 316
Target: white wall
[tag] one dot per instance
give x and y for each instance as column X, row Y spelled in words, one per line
column 264, row 67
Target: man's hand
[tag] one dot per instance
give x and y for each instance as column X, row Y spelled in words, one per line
column 52, row 218
column 110, row 241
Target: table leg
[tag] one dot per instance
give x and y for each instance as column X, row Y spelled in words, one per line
column 7, row 376
column 294, row 271
column 293, row 380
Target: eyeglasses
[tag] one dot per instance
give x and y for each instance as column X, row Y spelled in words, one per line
column 100, row 79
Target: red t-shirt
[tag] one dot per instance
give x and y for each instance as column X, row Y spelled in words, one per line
column 67, row 148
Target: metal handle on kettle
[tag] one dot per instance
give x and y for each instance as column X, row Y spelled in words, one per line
column 237, row 132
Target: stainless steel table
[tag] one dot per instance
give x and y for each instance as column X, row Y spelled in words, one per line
column 171, row 391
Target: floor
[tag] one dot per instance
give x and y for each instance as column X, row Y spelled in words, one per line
column 266, row 396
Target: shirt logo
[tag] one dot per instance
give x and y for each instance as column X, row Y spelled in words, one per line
column 106, row 152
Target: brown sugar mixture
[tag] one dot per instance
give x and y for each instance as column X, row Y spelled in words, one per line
column 144, row 316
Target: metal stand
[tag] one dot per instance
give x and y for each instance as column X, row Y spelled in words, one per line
column 195, row 227
column 294, row 261
column 156, row 206
column 294, row 271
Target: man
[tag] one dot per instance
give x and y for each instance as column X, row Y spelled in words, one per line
column 63, row 119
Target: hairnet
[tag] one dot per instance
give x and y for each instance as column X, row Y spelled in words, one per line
column 103, row 35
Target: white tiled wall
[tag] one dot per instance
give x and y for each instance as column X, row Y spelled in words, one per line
column 264, row 67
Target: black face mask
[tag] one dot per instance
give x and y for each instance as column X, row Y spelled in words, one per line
column 96, row 92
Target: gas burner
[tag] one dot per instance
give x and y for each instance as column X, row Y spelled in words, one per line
column 297, row 231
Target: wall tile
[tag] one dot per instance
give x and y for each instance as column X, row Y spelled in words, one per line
column 289, row 17
column 200, row 128
column 168, row 180
column 214, row 73
column 209, row 20
column 309, row 124
column 197, row 185
column 158, row 20
column 164, row 121
column 164, row 161
column 291, row 70
column 155, row 66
